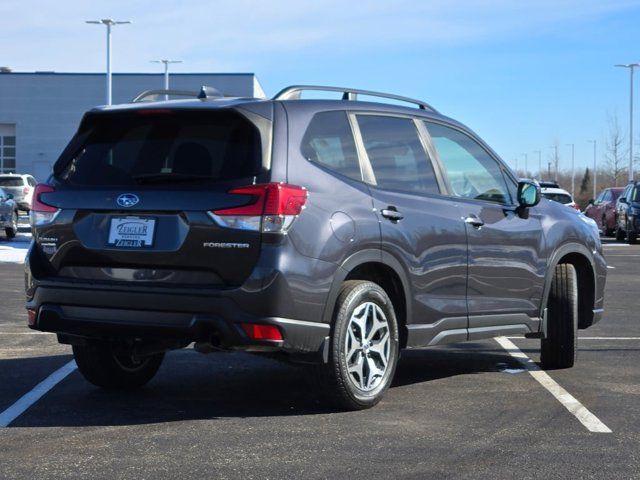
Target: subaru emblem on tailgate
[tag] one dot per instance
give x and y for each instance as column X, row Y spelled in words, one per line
column 128, row 200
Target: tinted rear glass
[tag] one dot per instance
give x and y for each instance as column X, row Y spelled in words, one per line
column 10, row 182
column 557, row 197
column 161, row 147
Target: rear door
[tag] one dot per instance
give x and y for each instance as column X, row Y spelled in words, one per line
column 136, row 191
column 419, row 227
column 506, row 260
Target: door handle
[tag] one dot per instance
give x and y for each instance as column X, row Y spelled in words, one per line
column 392, row 214
column 474, row 221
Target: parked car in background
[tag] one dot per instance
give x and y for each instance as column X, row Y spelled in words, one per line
column 21, row 187
column 603, row 210
column 628, row 213
column 8, row 214
column 559, row 195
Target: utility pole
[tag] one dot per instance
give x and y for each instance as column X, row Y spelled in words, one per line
column 108, row 23
column 630, row 66
column 595, row 171
column 166, row 72
column 573, row 168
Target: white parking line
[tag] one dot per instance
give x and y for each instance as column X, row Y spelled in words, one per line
column 578, row 410
column 27, row 333
column 31, row 397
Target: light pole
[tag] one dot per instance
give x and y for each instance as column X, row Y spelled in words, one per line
column 573, row 168
column 108, row 23
column 539, row 152
column 166, row 72
column 555, row 160
column 595, row 172
column 630, row 66
column 526, row 170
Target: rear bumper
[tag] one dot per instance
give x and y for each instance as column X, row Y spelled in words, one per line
column 117, row 314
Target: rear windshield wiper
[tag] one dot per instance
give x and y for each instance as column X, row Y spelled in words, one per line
column 172, row 177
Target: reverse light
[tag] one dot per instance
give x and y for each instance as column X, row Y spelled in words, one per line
column 31, row 316
column 273, row 208
column 261, row 332
column 42, row 213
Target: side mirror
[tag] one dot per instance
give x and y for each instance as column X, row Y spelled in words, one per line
column 528, row 193
column 9, row 196
column 592, row 201
column 623, row 200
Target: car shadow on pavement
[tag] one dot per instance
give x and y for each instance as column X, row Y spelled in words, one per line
column 190, row 386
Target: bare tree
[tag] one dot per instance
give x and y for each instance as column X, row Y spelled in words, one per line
column 554, row 157
column 615, row 156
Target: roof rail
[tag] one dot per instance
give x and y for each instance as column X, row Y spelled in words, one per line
column 293, row 92
column 204, row 93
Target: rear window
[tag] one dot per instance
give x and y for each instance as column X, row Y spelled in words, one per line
column 161, row 147
column 558, row 197
column 10, row 181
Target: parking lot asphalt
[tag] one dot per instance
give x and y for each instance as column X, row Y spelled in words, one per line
column 463, row 411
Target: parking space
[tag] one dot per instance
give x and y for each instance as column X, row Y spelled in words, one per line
column 464, row 411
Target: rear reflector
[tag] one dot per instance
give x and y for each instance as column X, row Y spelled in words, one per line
column 31, row 313
column 261, row 332
column 272, row 208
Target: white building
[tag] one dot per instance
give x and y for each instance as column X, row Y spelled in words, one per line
column 39, row 112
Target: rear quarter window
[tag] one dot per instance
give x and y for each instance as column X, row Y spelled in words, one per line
column 329, row 142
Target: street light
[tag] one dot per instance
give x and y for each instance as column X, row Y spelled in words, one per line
column 595, row 172
column 630, row 66
column 539, row 152
column 573, row 168
column 166, row 72
column 526, row 170
column 108, row 23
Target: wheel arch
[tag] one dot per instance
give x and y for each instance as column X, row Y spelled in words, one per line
column 381, row 268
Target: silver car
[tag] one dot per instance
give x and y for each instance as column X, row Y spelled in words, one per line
column 21, row 187
column 8, row 214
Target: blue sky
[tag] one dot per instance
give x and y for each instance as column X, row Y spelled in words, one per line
column 521, row 74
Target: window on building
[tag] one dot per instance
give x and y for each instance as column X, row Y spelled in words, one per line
column 7, row 149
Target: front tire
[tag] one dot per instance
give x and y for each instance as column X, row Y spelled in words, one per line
column 364, row 347
column 105, row 367
column 632, row 237
column 620, row 234
column 560, row 348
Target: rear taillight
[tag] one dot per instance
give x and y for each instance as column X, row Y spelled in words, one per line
column 273, row 208
column 42, row 213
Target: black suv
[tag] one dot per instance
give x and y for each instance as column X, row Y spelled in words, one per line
column 332, row 233
column 628, row 213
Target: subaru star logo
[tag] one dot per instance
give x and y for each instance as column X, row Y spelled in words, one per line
column 127, row 200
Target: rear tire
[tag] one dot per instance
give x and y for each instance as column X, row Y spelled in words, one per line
column 12, row 231
column 632, row 237
column 560, row 348
column 620, row 234
column 363, row 352
column 104, row 367
column 606, row 231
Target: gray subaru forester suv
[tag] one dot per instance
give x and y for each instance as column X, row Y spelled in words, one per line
column 332, row 233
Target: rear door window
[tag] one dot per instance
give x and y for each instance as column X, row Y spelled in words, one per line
column 161, row 147
column 397, row 157
column 328, row 141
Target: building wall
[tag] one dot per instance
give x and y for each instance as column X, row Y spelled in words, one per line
column 45, row 108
